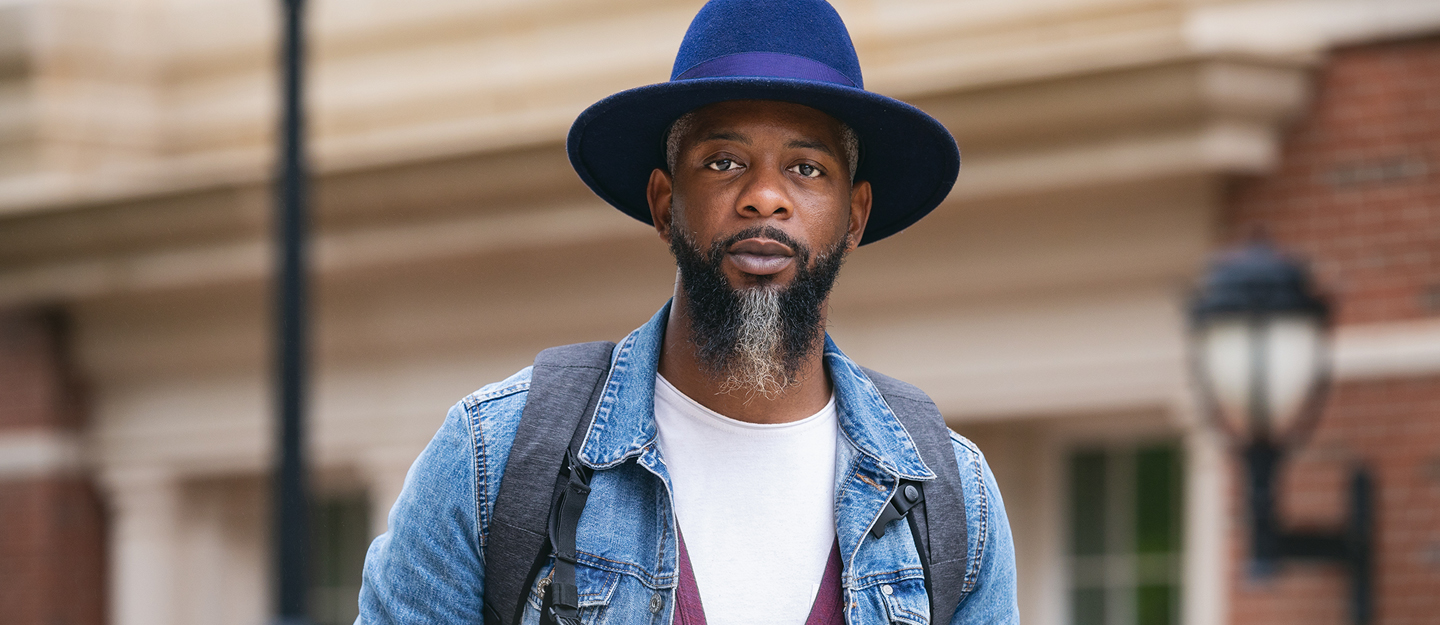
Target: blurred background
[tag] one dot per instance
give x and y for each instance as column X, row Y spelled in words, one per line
column 1109, row 147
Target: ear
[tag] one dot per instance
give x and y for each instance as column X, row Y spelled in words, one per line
column 860, row 199
column 660, row 194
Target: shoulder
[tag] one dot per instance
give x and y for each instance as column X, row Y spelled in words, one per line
column 973, row 471
column 968, row 455
column 989, row 583
column 428, row 563
column 492, row 413
column 458, row 464
column 988, row 541
column 481, row 428
column 516, row 384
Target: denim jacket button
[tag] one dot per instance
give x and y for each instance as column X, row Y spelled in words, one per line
column 887, row 590
column 656, row 603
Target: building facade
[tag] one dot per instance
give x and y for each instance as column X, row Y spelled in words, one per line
column 1109, row 146
column 1357, row 192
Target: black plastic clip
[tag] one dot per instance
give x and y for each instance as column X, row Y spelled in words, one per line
column 562, row 604
column 907, row 496
column 562, row 598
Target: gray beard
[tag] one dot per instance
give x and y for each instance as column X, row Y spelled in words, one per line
column 757, row 364
column 755, row 340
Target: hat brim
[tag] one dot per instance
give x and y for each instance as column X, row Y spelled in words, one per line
column 909, row 158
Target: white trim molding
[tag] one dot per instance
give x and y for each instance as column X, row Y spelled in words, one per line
column 1387, row 350
column 39, row 453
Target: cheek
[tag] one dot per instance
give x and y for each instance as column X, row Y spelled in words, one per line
column 690, row 222
column 699, row 212
column 832, row 215
column 840, row 234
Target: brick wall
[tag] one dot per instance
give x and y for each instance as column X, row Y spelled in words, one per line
column 1358, row 194
column 51, row 521
column 1358, row 188
column 1394, row 427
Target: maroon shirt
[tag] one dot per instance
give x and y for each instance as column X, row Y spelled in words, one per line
column 829, row 608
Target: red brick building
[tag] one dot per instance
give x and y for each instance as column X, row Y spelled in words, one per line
column 1358, row 194
column 1109, row 145
column 52, row 522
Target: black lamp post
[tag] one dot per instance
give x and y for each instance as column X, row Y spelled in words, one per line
column 291, row 332
column 1260, row 353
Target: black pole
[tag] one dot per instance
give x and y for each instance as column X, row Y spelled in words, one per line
column 1361, row 545
column 1261, row 458
column 1352, row 547
column 291, row 221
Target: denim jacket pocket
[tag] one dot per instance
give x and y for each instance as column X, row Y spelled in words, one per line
column 906, row 602
column 596, row 587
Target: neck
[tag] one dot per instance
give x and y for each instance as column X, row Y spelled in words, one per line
column 680, row 364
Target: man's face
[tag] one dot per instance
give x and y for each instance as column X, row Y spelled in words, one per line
column 751, row 164
column 759, row 213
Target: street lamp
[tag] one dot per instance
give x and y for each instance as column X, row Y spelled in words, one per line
column 1260, row 353
column 292, row 369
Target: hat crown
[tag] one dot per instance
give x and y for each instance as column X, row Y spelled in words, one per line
column 764, row 30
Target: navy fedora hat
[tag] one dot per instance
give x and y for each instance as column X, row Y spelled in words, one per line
column 788, row 50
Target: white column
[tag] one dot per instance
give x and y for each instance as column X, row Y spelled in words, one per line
column 1207, row 522
column 144, row 545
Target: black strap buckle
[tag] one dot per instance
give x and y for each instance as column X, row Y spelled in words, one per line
column 562, row 604
column 562, row 598
column 907, row 496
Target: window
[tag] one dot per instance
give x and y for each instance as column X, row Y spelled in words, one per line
column 1125, row 517
column 339, row 537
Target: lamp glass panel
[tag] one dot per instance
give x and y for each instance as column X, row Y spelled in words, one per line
column 1226, row 359
column 1293, row 354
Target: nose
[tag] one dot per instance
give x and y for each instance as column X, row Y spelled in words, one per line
column 765, row 195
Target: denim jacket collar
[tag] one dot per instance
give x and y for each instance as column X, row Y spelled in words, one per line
column 624, row 423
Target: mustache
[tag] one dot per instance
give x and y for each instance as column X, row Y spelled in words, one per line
column 802, row 252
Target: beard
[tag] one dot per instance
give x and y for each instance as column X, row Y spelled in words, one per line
column 755, row 339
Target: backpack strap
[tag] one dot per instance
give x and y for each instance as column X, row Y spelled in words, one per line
column 565, row 387
column 939, row 527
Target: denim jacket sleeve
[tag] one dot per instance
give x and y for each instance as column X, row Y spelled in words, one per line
column 427, row 567
column 990, row 593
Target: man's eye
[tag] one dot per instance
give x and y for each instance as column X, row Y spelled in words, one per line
column 807, row 170
column 723, row 164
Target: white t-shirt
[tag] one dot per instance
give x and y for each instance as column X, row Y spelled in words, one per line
column 756, row 504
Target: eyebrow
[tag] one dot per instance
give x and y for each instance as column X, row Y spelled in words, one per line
column 813, row 145
column 725, row 135
column 730, row 135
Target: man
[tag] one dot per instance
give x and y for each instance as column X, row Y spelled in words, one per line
column 740, row 467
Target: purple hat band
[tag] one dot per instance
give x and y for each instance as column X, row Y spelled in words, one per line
column 766, row 64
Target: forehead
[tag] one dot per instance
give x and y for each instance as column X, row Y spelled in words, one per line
column 749, row 116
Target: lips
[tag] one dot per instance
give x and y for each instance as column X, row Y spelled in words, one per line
column 760, row 256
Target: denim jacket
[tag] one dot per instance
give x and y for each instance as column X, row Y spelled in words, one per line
column 428, row 568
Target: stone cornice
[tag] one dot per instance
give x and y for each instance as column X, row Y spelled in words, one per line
column 1042, row 97
column 182, row 99
column 1159, row 121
